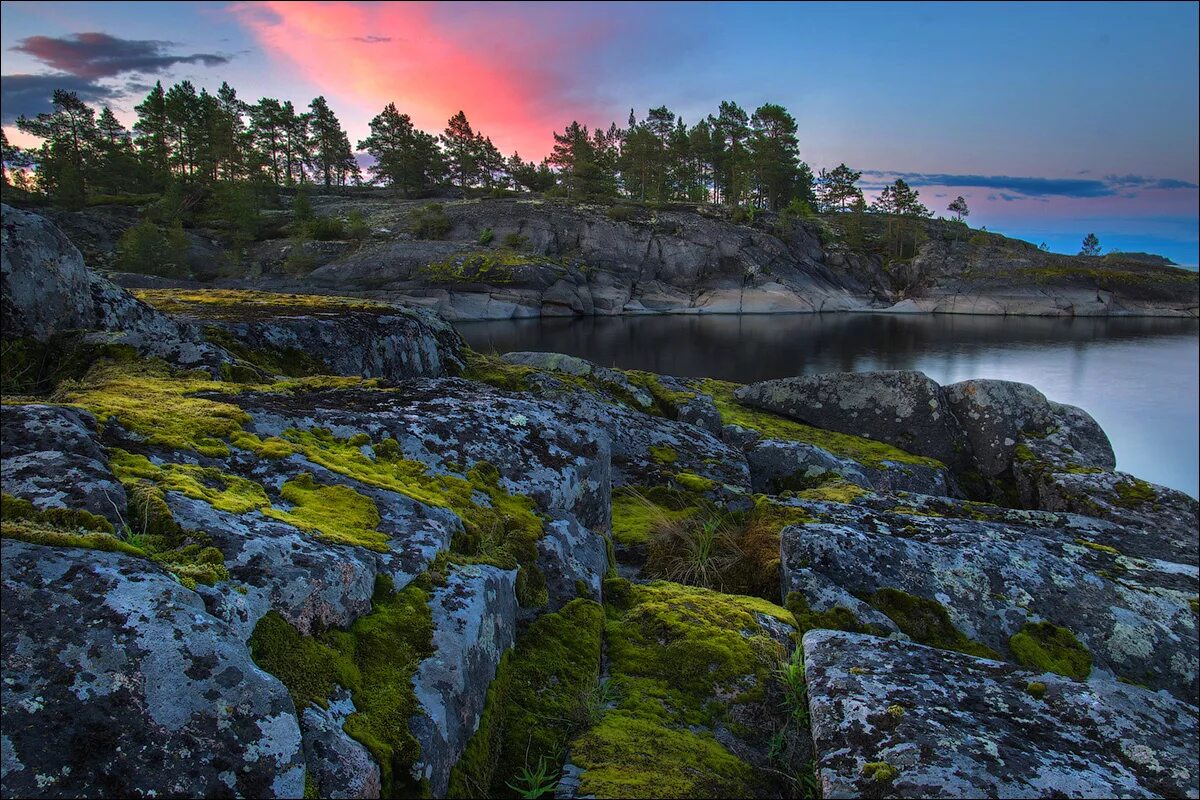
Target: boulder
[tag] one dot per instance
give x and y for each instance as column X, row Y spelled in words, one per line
column 45, row 286
column 902, row 408
column 474, row 623
column 1131, row 616
column 45, row 289
column 117, row 682
column 895, row 719
column 778, row 466
column 995, row 414
column 52, row 459
column 571, row 557
column 340, row 766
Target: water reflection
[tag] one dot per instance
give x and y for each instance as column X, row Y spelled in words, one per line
column 1137, row 376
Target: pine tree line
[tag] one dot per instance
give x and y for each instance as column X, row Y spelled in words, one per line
column 194, row 138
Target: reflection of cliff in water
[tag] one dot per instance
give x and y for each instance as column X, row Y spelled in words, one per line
column 755, row 347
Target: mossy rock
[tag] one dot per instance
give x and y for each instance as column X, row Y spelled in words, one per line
column 926, row 621
column 375, row 658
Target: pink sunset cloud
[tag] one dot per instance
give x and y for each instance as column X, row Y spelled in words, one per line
column 497, row 66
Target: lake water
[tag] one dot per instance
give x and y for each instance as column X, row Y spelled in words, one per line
column 1137, row 376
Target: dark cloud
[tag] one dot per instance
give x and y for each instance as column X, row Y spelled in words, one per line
column 372, row 39
column 98, row 55
column 29, row 95
column 1017, row 186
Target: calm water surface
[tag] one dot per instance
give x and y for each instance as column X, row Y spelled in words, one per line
column 1137, row 377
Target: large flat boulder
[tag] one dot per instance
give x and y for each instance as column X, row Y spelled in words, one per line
column 117, row 682
column 895, row 719
column 902, row 408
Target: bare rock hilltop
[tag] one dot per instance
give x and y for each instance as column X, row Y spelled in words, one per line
column 264, row 544
column 500, row 258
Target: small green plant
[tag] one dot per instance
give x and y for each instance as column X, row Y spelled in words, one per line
column 516, row 241
column 600, row 697
column 149, row 250
column 327, row 229
column 357, row 227
column 790, row 673
column 486, row 235
column 880, row 771
column 302, row 212
column 532, row 784
column 429, row 222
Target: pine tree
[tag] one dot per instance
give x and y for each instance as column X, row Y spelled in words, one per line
column 151, row 136
column 1090, row 246
column 837, row 189
column 407, row 158
column 330, row 154
column 69, row 139
column 731, row 130
column 461, row 150
column 266, row 129
column 183, row 115
column 959, row 208
column 774, row 156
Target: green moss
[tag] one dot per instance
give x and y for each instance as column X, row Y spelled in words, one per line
column 927, row 622
column 495, row 371
column 771, row 426
column 337, row 513
column 1133, row 492
column 189, row 556
column 693, row 482
column 375, row 658
column 16, row 508
column 242, row 304
column 152, row 400
column 664, row 455
column 1036, row 689
column 1023, row 454
column 880, row 771
column 666, row 401
column 837, row 618
column 637, row 510
column 1101, row 548
column 32, row 367
column 501, row 530
column 484, row 266
column 683, row 658
column 895, row 710
column 1049, row 648
column 837, row 491
column 545, row 692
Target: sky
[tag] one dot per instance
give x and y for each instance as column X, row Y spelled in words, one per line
column 1052, row 120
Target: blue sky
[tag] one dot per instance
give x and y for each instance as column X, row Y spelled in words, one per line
column 1053, row 120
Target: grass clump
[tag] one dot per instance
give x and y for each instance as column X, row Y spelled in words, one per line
column 683, row 658
column 771, row 426
column 375, row 658
column 544, row 694
column 1047, row 647
column 927, row 622
column 638, row 511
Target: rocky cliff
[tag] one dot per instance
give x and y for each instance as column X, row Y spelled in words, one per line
column 342, row 555
column 504, row 258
